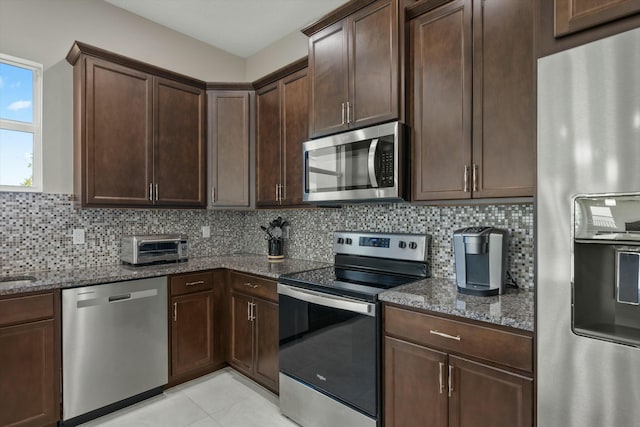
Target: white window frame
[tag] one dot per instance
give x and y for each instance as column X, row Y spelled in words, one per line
column 35, row 128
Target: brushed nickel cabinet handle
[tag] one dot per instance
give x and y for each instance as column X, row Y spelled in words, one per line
column 156, row 192
column 343, row 120
column 249, row 311
column 475, row 177
column 151, row 191
column 251, row 285
column 450, row 380
column 253, row 313
column 199, row 282
column 348, row 112
column 443, row 335
column 466, row 178
column 213, row 194
column 441, row 376
column 276, row 192
column 175, row 311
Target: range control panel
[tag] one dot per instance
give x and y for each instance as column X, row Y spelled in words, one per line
column 402, row 246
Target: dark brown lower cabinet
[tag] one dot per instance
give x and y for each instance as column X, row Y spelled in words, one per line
column 29, row 360
column 266, row 343
column 482, row 395
column 253, row 340
column 431, row 377
column 241, row 346
column 413, row 395
column 195, row 326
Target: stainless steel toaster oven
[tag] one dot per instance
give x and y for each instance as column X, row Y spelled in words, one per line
column 158, row 248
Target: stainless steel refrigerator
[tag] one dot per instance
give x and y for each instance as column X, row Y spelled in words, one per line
column 588, row 329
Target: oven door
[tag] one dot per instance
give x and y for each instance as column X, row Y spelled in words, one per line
column 357, row 165
column 331, row 344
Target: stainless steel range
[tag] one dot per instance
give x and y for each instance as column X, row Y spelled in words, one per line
column 330, row 328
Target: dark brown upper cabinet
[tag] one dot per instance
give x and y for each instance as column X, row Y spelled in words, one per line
column 576, row 15
column 229, row 147
column 139, row 133
column 281, row 128
column 564, row 24
column 354, row 66
column 473, row 108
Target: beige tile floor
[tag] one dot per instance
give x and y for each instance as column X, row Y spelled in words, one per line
column 221, row 399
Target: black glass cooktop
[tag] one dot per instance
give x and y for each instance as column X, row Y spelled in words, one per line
column 360, row 284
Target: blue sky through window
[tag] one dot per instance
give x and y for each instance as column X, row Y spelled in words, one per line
column 16, row 154
column 16, row 104
column 16, row 93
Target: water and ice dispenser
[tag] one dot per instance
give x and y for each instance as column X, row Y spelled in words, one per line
column 606, row 268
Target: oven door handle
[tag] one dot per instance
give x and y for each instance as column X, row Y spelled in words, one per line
column 333, row 301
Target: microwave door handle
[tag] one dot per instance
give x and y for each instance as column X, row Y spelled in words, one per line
column 372, row 163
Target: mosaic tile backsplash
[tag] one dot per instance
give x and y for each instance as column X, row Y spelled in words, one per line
column 36, row 231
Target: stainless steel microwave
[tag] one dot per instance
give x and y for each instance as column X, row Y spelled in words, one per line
column 360, row 165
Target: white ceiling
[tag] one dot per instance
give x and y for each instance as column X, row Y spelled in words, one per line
column 241, row 27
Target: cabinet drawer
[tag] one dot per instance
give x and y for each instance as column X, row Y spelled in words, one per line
column 254, row 286
column 26, row 308
column 506, row 348
column 188, row 283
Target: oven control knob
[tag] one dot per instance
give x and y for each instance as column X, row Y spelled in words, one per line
column 402, row 245
column 349, row 241
column 413, row 245
column 340, row 240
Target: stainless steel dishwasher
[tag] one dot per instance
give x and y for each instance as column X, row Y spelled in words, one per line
column 114, row 346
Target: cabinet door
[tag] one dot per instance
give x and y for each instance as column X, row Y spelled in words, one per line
column 229, row 147
column 191, row 332
column 117, row 167
column 328, row 80
column 179, row 144
column 440, row 43
column 373, row 64
column 266, row 343
column 267, row 145
column 504, row 98
column 295, row 125
column 29, row 393
column 415, row 385
column 576, row 15
column 241, row 336
column 498, row 398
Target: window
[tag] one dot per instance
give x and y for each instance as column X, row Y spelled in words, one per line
column 20, row 125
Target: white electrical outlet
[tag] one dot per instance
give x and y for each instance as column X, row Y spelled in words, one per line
column 78, row 236
column 206, row 231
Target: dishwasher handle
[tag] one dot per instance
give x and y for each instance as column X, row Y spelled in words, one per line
column 328, row 300
column 116, row 298
column 104, row 300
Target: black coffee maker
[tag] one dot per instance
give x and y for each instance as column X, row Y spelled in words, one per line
column 481, row 260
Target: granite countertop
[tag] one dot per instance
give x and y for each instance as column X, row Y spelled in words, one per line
column 514, row 308
column 247, row 263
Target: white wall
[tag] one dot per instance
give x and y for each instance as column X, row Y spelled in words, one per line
column 44, row 30
column 284, row 51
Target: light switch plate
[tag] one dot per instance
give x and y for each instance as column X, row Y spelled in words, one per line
column 206, row 231
column 78, row 236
